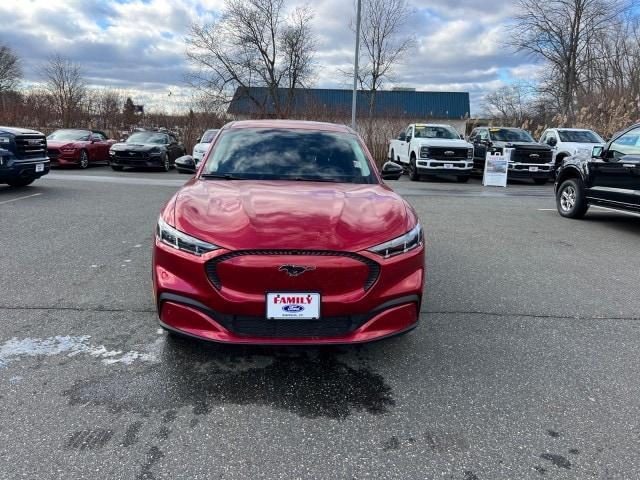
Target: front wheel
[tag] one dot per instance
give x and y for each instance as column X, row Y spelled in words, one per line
column 21, row 182
column 166, row 165
column 413, row 170
column 571, row 201
column 540, row 181
column 84, row 159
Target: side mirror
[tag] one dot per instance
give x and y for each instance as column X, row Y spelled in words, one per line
column 408, row 139
column 402, row 137
column 391, row 171
column 552, row 142
column 597, row 152
column 186, row 164
column 198, row 140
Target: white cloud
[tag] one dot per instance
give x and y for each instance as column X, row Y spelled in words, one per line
column 138, row 46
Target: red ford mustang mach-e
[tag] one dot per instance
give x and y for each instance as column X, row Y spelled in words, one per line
column 287, row 235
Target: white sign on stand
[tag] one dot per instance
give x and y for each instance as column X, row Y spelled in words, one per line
column 496, row 166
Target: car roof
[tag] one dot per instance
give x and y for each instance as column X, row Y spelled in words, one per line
column 290, row 124
column 432, row 125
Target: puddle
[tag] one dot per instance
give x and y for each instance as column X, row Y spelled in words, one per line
column 309, row 383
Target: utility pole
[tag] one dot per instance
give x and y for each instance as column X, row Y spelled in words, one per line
column 355, row 67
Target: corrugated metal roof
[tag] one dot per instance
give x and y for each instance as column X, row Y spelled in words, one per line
column 395, row 103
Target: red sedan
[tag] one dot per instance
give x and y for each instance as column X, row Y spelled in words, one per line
column 78, row 147
column 288, row 235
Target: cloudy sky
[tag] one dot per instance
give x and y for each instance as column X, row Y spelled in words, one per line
column 138, row 45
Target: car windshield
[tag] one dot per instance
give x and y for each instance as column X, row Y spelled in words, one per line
column 77, row 135
column 289, row 154
column 146, row 137
column 208, row 136
column 427, row 131
column 579, row 136
column 510, row 135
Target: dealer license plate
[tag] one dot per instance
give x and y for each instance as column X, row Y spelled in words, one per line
column 533, row 169
column 293, row 306
column 39, row 167
column 448, row 165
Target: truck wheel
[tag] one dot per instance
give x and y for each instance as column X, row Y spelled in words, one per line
column 570, row 199
column 84, row 159
column 413, row 170
column 116, row 168
column 21, row 182
column 462, row 178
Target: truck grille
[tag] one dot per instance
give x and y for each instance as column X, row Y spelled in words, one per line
column 531, row 155
column 443, row 153
column 31, row 146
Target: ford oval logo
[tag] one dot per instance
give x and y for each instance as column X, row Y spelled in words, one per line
column 449, row 153
column 293, row 308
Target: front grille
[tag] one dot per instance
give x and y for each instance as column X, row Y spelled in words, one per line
column 31, row 146
column 130, row 155
column 212, row 273
column 531, row 155
column 438, row 153
column 259, row 327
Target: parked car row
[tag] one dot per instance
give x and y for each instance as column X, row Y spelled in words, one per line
column 438, row 150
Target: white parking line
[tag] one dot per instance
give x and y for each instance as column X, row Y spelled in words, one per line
column 20, row 198
column 546, row 209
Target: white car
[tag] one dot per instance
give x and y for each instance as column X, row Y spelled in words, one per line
column 433, row 150
column 203, row 144
column 567, row 142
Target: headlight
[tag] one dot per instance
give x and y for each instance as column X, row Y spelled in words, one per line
column 112, row 152
column 424, row 152
column 5, row 140
column 68, row 149
column 470, row 153
column 155, row 151
column 410, row 240
column 181, row 241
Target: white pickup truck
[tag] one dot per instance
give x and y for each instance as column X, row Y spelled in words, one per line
column 432, row 150
column 567, row 142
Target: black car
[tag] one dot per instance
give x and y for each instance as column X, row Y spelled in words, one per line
column 146, row 149
column 609, row 178
column 529, row 159
column 23, row 156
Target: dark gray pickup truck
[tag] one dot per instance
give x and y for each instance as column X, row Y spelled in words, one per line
column 23, row 156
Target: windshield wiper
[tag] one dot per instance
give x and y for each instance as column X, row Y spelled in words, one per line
column 225, row 176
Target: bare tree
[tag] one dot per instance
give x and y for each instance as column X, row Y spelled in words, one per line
column 384, row 43
column 253, row 43
column 10, row 71
column 561, row 32
column 509, row 104
column 66, row 86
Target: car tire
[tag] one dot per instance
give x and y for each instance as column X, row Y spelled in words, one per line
column 413, row 170
column 166, row 164
column 571, row 200
column 83, row 163
column 116, row 168
column 540, row 181
column 20, row 182
column 462, row 178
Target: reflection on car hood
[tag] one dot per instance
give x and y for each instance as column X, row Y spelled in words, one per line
column 62, row 143
column 521, row 145
column 247, row 214
column 444, row 142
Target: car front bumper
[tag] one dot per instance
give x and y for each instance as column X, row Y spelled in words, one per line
column 59, row 158
column 444, row 167
column 189, row 303
column 14, row 169
column 523, row 170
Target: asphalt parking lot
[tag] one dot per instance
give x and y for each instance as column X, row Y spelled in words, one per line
column 525, row 364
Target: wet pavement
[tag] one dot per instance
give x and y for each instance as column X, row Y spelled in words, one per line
column 524, row 365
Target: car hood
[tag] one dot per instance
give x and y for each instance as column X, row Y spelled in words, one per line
column 573, row 146
column 201, row 147
column 60, row 143
column 443, row 142
column 246, row 214
column 135, row 147
column 19, row 131
column 522, row 145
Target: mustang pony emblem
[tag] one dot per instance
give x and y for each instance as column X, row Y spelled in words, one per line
column 295, row 270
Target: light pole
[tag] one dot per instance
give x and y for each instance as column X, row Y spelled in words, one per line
column 355, row 67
